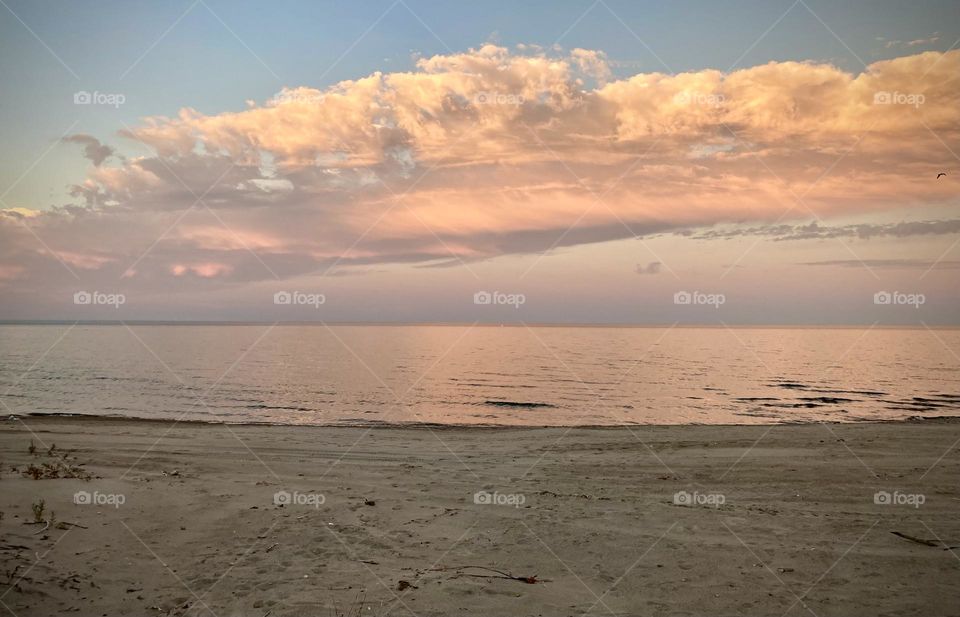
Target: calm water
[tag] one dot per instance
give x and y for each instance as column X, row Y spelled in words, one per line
column 481, row 375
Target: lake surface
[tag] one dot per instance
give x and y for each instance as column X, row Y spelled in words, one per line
column 314, row 374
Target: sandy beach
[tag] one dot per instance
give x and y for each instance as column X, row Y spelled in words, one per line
column 194, row 519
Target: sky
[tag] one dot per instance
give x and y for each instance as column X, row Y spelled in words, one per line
column 594, row 162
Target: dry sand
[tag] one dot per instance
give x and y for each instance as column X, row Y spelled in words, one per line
column 798, row 531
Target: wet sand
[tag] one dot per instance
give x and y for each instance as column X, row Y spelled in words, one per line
column 687, row 520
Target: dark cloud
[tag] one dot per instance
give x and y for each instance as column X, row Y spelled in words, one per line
column 651, row 268
column 913, row 264
column 816, row 231
column 92, row 148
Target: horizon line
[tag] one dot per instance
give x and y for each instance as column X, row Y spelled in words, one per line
column 692, row 325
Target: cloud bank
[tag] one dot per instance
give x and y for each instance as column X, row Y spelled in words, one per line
column 487, row 153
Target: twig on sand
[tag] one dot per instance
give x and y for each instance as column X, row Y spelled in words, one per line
column 530, row 580
column 933, row 543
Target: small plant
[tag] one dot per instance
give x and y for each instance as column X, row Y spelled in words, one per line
column 52, row 471
column 32, row 449
column 11, row 573
column 52, row 451
column 39, row 508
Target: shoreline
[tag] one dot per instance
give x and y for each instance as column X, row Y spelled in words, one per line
column 43, row 416
column 667, row 520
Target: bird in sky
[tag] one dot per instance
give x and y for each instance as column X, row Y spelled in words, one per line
column 942, row 173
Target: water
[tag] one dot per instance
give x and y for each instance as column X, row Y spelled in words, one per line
column 294, row 374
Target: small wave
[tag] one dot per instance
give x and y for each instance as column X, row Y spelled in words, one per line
column 828, row 400
column 519, row 404
column 284, row 407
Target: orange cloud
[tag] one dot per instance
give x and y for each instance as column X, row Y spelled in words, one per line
column 489, row 152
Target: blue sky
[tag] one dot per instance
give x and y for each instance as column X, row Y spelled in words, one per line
column 745, row 141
